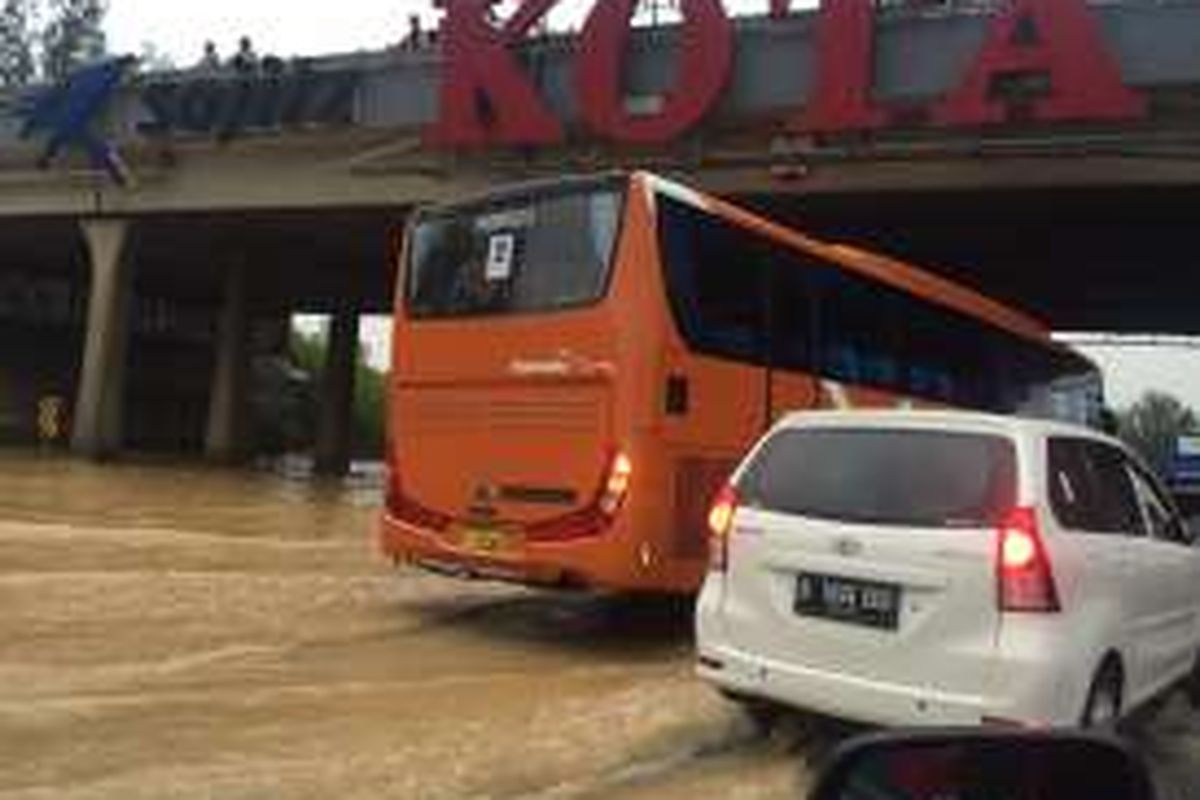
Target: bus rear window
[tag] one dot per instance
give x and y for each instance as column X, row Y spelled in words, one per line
column 532, row 253
column 882, row 476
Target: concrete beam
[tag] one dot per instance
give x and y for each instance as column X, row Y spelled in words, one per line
column 380, row 159
column 337, row 393
column 99, row 402
column 225, row 436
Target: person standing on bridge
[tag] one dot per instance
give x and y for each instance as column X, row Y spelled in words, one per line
column 245, row 60
column 416, row 37
column 210, row 62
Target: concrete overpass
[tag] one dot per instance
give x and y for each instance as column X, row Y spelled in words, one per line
column 243, row 198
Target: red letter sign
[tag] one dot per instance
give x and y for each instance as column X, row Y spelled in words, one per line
column 706, row 51
column 841, row 95
column 1085, row 82
column 485, row 96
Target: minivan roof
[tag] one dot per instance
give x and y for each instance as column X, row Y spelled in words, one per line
column 940, row 419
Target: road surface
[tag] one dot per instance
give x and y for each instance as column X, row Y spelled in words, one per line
column 177, row 633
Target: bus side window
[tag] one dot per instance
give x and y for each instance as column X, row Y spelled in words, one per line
column 716, row 277
column 792, row 312
column 1041, row 381
column 949, row 357
column 857, row 329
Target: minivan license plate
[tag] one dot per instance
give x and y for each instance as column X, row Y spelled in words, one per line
column 869, row 603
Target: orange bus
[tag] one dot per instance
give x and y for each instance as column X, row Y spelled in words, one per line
column 578, row 364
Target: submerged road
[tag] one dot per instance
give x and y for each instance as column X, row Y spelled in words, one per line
column 181, row 633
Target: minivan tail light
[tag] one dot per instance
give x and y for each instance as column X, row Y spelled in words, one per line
column 1019, row 550
column 1025, row 579
column 720, row 524
column 616, row 485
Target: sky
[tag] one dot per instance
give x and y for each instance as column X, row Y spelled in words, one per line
column 286, row 27
column 179, row 28
column 1132, row 369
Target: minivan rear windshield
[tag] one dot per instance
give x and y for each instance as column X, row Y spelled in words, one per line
column 885, row 476
column 523, row 253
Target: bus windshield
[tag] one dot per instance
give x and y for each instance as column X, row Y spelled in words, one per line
column 523, row 253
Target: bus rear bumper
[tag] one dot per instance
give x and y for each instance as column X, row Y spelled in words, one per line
column 607, row 561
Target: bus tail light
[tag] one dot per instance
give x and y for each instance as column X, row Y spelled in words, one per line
column 720, row 525
column 598, row 515
column 1024, row 577
column 616, row 485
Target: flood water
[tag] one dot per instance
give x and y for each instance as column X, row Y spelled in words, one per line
column 274, row 501
column 178, row 632
column 171, row 631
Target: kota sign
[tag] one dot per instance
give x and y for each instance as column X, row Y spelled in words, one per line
column 488, row 99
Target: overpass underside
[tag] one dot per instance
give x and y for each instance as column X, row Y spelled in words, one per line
column 151, row 331
column 1113, row 259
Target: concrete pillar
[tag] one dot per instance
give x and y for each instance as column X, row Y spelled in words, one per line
column 99, row 406
column 337, row 393
column 225, row 436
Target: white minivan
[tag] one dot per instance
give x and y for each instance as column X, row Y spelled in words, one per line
column 929, row 567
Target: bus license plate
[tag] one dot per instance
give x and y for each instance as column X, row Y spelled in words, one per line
column 488, row 540
column 859, row 602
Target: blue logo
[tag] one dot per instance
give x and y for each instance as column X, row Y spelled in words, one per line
column 66, row 115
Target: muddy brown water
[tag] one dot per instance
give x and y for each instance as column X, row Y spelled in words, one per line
column 189, row 633
column 174, row 632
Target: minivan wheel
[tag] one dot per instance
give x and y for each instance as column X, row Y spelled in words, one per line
column 1103, row 708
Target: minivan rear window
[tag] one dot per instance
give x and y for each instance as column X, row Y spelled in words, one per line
column 885, row 476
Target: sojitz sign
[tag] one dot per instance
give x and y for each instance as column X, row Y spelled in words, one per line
column 228, row 106
column 488, row 99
